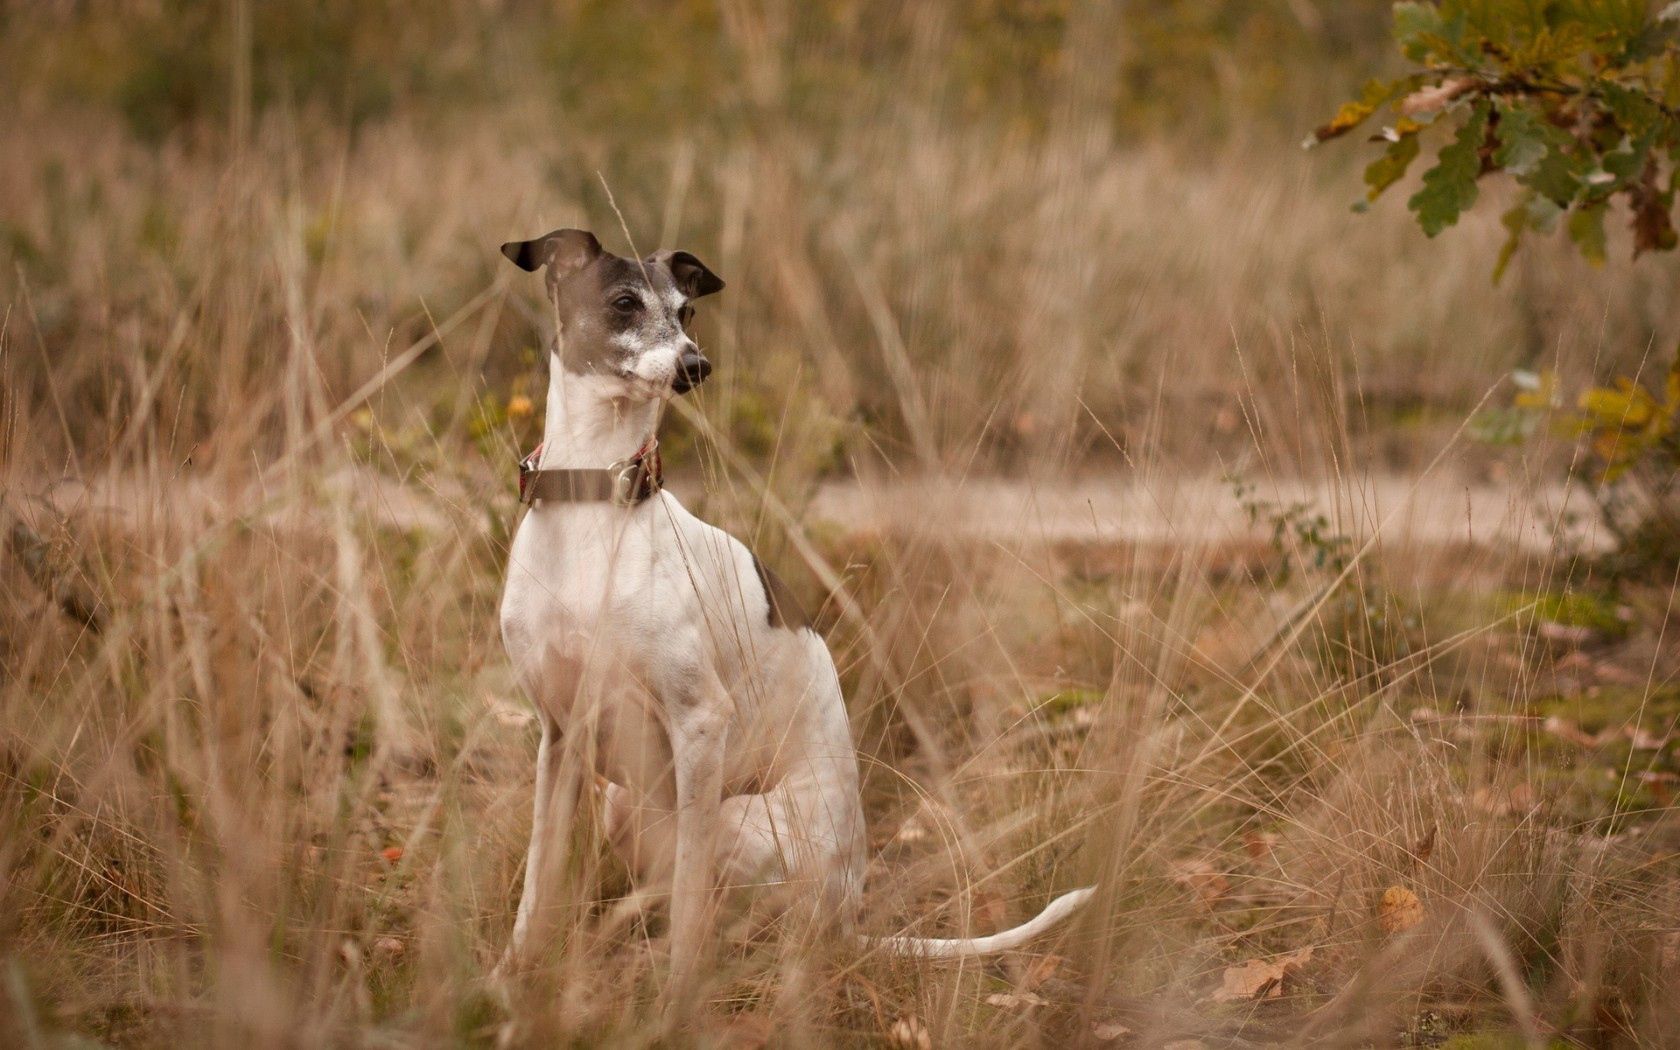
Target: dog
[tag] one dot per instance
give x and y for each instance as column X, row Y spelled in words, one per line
column 708, row 703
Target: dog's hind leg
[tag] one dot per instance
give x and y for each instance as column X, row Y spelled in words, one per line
column 797, row 832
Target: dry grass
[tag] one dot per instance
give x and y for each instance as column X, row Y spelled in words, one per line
column 264, row 777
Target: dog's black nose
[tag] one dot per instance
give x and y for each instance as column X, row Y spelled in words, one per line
column 692, row 370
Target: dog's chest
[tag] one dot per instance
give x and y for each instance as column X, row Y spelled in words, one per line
column 584, row 580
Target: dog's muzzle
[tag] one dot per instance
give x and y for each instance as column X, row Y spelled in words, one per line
column 692, row 370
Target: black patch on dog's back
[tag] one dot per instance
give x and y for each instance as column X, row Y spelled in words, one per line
column 785, row 610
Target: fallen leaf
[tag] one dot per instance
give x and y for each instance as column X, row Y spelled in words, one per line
column 1039, row 970
column 1434, row 97
column 1203, row 879
column 389, row 947
column 1398, row 910
column 1259, row 978
column 910, row 831
column 908, row 1033
column 1425, row 847
column 1016, row 1000
column 1569, row 732
column 1566, row 634
column 1659, row 784
column 392, row 854
column 1109, row 1031
column 991, row 908
column 1643, row 741
column 1517, row 800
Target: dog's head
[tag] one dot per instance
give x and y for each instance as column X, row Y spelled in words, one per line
column 624, row 320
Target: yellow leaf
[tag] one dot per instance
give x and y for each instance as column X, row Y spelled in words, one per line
column 1349, row 116
column 1398, row 910
column 1609, row 406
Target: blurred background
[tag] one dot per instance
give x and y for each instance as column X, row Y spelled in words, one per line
column 1147, row 493
column 948, row 229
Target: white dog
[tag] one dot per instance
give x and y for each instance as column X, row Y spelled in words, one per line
column 713, row 711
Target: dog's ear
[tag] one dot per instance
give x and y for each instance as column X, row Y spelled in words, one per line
column 690, row 273
column 564, row 251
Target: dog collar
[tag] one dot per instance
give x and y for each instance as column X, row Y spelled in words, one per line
column 624, row 484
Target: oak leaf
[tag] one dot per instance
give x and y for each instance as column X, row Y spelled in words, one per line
column 1203, row 879
column 1398, row 910
column 1016, row 1000
column 1259, row 978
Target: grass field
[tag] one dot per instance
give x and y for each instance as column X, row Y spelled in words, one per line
column 1344, row 777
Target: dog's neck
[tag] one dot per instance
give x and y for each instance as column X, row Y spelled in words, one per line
column 586, row 427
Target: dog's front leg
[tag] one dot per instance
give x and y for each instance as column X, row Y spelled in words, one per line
column 697, row 729
column 550, row 755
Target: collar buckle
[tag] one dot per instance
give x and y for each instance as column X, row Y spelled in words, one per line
column 528, row 471
column 637, row 478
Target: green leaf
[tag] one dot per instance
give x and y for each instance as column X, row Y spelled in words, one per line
column 1532, row 212
column 1522, row 140
column 1628, row 162
column 1635, row 111
column 1515, row 222
column 1389, row 168
column 1559, row 175
column 1503, row 426
column 1586, row 229
column 1449, row 188
column 1420, row 30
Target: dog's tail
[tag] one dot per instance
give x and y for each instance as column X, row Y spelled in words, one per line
column 968, row 947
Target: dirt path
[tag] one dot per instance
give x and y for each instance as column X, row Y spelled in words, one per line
column 1163, row 511
column 1184, row 511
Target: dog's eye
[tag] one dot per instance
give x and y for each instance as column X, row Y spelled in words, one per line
column 626, row 303
column 685, row 315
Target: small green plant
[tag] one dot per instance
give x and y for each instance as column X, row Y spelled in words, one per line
column 1578, row 101
column 1363, row 628
column 1300, row 533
